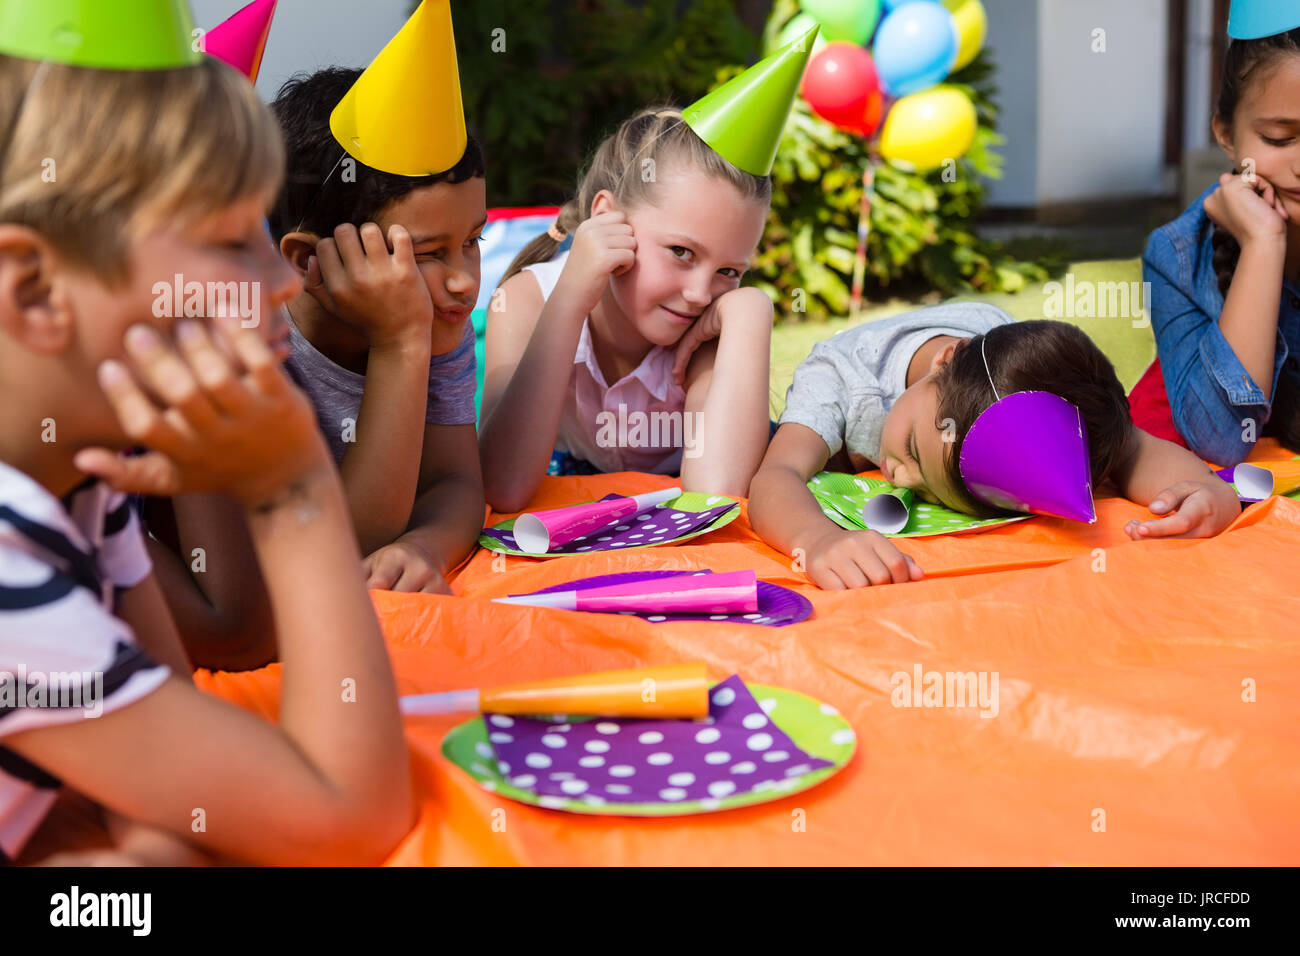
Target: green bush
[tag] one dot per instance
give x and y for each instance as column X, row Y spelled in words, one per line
column 922, row 234
column 572, row 71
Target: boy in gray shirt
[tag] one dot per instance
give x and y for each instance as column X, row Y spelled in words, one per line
column 382, row 343
column 901, row 393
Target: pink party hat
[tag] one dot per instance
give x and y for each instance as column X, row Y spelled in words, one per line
column 1029, row 452
column 241, row 40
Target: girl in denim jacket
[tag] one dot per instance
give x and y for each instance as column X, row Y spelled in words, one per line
column 1225, row 275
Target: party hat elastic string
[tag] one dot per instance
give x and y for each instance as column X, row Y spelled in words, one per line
column 320, row 190
column 983, row 339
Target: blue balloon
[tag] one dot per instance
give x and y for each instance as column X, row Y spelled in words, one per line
column 890, row 4
column 915, row 47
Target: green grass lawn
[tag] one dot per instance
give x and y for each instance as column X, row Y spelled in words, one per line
column 1130, row 349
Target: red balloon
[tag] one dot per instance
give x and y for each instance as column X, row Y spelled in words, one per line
column 842, row 87
column 873, row 114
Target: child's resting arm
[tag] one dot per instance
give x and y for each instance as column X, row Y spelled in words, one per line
column 1249, row 317
column 145, row 609
column 530, row 349
column 1173, row 482
column 355, row 276
column 726, row 392
column 1211, row 396
column 380, row 472
column 787, row 516
column 331, row 783
column 220, row 606
column 446, row 519
column 534, row 339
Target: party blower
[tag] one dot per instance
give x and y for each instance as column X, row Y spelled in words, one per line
column 1257, row 482
column 678, row 690
column 889, row 511
column 537, row 532
column 734, row 592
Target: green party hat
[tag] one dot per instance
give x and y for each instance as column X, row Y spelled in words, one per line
column 105, row 34
column 742, row 119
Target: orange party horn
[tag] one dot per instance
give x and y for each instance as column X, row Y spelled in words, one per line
column 678, row 690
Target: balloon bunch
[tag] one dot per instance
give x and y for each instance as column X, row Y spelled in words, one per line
column 893, row 88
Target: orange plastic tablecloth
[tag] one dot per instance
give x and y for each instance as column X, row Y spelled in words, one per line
column 1122, row 671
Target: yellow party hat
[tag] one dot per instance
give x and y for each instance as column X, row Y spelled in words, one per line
column 404, row 114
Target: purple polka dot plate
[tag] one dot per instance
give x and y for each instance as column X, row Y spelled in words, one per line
column 758, row 744
column 688, row 516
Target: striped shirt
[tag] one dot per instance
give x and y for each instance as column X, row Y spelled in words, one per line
column 64, row 656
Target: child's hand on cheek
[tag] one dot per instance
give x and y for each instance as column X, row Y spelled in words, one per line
column 354, row 276
column 603, row 246
column 215, row 419
column 737, row 302
column 1192, row 509
column 403, row 566
column 1250, row 209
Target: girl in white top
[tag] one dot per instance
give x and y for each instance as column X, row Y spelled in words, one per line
column 635, row 349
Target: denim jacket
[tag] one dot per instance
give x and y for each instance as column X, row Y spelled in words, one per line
column 1213, row 398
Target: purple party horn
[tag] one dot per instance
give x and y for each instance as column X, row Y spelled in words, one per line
column 1252, row 482
column 1029, row 452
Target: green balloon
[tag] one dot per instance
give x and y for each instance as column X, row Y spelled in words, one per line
column 853, row 21
column 800, row 24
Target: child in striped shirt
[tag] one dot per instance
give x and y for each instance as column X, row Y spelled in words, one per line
column 94, row 686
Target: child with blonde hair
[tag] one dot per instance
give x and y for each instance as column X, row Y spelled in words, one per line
column 640, row 319
column 166, row 172
column 621, row 340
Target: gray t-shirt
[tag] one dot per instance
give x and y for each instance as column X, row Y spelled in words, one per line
column 844, row 389
column 336, row 392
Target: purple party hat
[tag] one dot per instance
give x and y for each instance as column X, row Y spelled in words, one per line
column 1028, row 451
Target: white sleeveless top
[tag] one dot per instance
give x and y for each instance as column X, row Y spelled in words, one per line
column 636, row 424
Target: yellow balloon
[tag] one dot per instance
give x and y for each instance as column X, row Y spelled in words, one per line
column 972, row 27
column 927, row 128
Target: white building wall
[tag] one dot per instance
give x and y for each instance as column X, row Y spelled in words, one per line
column 1101, row 115
column 1199, row 99
column 310, row 34
column 1012, row 39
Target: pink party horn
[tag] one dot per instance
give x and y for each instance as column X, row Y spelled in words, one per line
column 537, row 532
column 1028, row 452
column 241, row 40
column 1251, row 482
column 735, row 592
